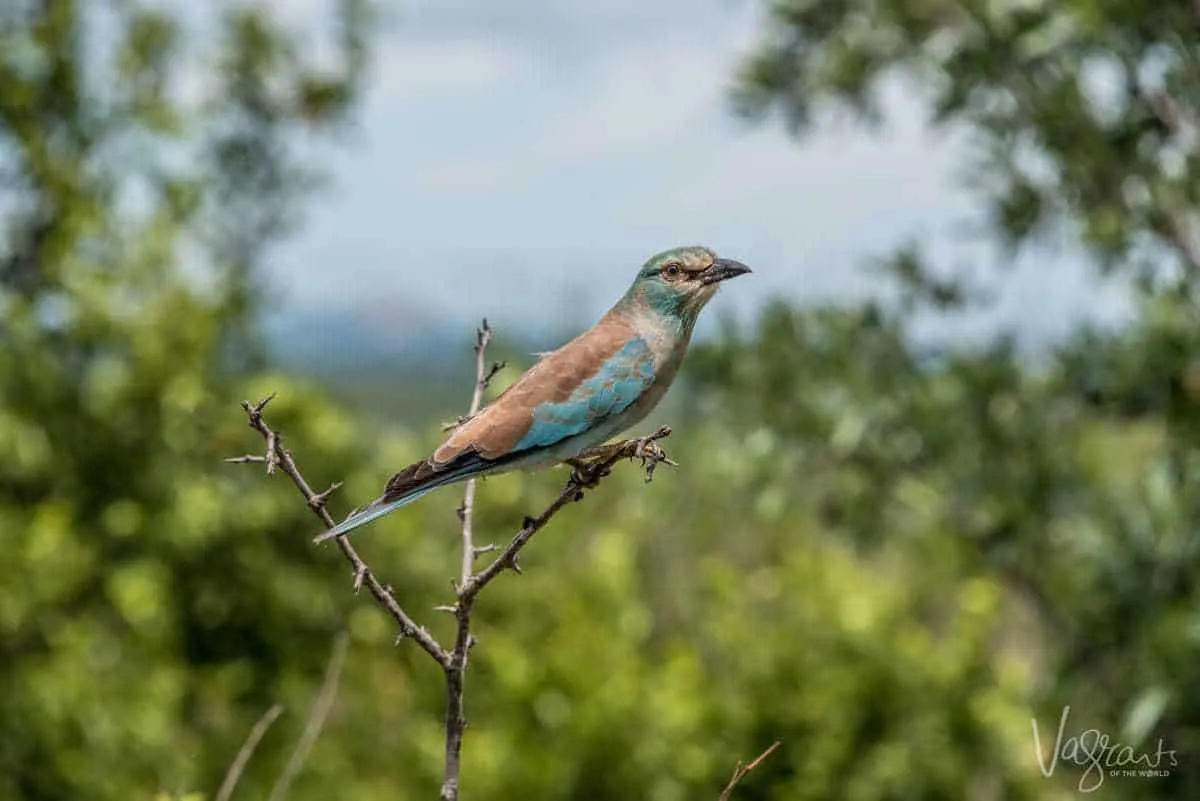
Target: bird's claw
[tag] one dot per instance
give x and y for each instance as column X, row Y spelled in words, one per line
column 586, row 475
column 594, row 464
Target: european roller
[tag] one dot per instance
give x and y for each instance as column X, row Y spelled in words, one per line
column 581, row 395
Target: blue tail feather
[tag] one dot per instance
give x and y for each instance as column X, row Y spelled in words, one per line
column 379, row 508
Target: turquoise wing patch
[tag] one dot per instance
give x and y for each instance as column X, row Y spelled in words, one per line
column 618, row 383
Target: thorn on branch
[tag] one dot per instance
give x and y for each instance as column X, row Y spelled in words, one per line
column 496, row 367
column 317, row 502
column 483, row 335
column 462, row 418
column 281, row 458
column 448, row 608
column 482, row 549
column 415, row 633
column 254, row 412
column 262, row 404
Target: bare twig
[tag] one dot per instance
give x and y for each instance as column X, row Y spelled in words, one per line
column 318, row 501
column 462, row 418
column 363, row 576
column 483, row 377
column 456, row 722
column 234, row 774
column 316, row 719
column 742, row 770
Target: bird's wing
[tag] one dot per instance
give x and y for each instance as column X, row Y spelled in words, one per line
column 598, row 374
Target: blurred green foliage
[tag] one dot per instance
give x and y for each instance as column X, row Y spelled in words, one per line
column 1082, row 113
column 888, row 558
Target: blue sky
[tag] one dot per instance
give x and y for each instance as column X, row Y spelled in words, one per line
column 520, row 159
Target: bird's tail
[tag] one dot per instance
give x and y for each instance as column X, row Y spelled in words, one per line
column 411, row 483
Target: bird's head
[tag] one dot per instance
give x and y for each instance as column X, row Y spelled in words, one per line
column 678, row 283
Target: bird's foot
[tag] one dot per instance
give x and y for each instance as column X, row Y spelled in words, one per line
column 587, row 472
column 593, row 464
column 600, row 452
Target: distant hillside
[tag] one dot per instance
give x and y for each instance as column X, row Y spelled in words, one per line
column 406, row 370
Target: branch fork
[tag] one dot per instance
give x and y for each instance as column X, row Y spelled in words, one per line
column 589, row 469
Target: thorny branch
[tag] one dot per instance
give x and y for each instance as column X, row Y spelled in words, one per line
column 483, row 379
column 363, row 575
column 456, row 722
column 589, row 470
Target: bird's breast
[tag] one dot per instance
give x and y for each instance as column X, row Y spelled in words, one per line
column 666, row 340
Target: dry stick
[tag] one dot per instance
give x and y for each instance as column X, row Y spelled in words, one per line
column 483, row 377
column 247, row 751
column 363, row 575
column 741, row 771
column 456, row 722
column 316, row 719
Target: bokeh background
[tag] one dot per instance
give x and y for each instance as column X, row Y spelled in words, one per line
column 939, row 471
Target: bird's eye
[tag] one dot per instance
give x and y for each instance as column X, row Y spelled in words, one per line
column 671, row 271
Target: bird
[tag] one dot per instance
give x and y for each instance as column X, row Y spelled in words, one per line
column 575, row 398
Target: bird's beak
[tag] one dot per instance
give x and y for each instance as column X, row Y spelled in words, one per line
column 723, row 270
